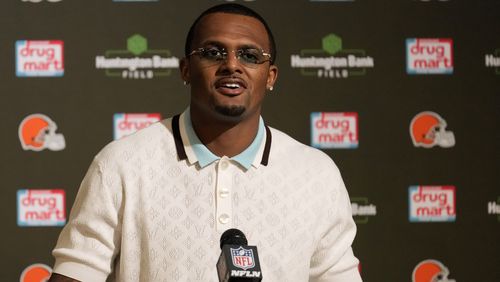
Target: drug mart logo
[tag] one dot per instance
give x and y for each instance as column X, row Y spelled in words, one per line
column 37, row 132
column 430, row 270
column 494, row 208
column 332, row 61
column 137, row 62
column 428, row 129
column 41, row 207
column 334, row 130
column 36, row 273
column 125, row 124
column 432, row 203
column 39, row 58
column 493, row 61
column 362, row 209
column 429, row 56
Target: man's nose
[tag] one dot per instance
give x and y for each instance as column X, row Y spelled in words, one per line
column 231, row 62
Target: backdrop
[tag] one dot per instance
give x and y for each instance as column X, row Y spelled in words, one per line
column 403, row 95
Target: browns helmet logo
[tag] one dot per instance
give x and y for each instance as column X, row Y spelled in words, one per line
column 36, row 273
column 428, row 129
column 38, row 132
column 431, row 271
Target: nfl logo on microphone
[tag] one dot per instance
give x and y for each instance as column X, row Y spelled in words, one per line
column 242, row 258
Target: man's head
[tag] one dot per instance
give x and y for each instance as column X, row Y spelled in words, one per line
column 236, row 9
column 228, row 63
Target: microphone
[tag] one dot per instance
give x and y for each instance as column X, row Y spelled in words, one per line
column 237, row 262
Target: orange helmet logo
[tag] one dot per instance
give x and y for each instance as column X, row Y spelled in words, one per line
column 431, row 271
column 427, row 129
column 36, row 273
column 38, row 132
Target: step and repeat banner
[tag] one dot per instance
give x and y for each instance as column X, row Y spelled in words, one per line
column 403, row 95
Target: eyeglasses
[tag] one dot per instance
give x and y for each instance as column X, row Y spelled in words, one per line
column 251, row 57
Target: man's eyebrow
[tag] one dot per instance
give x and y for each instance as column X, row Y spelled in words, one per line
column 222, row 45
column 212, row 43
column 249, row 46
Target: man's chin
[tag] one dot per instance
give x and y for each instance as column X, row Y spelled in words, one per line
column 230, row 111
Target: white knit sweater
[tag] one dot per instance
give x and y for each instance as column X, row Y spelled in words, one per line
column 141, row 214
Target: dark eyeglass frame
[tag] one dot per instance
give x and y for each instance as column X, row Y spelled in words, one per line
column 203, row 54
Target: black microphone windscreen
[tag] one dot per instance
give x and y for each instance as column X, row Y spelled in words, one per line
column 233, row 237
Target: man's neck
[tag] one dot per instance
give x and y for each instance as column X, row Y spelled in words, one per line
column 225, row 138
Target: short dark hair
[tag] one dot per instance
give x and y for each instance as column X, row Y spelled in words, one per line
column 231, row 8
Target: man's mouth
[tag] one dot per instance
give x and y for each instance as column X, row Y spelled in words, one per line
column 230, row 86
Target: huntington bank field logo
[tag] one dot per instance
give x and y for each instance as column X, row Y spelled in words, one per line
column 332, row 61
column 430, row 270
column 125, row 124
column 362, row 209
column 494, row 208
column 137, row 61
column 39, row 58
column 429, row 56
column 432, row 203
column 334, row 130
column 493, row 61
column 41, row 207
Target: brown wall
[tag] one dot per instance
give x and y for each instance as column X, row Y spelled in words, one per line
column 379, row 172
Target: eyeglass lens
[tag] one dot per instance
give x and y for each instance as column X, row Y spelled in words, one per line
column 247, row 56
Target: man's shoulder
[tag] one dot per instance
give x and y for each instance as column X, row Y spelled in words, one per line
column 158, row 130
column 156, row 135
column 285, row 145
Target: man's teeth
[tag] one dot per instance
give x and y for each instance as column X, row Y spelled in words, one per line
column 232, row 85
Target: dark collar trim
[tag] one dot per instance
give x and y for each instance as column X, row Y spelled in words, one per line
column 181, row 153
column 179, row 146
column 267, row 148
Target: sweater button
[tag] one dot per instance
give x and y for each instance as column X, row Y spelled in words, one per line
column 224, row 218
column 223, row 164
column 223, row 193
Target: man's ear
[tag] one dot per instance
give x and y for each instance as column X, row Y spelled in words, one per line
column 272, row 76
column 184, row 68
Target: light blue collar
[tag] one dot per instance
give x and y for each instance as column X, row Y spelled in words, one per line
column 205, row 157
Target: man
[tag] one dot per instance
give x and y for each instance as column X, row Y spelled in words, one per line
column 153, row 205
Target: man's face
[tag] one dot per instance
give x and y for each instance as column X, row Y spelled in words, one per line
column 228, row 89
